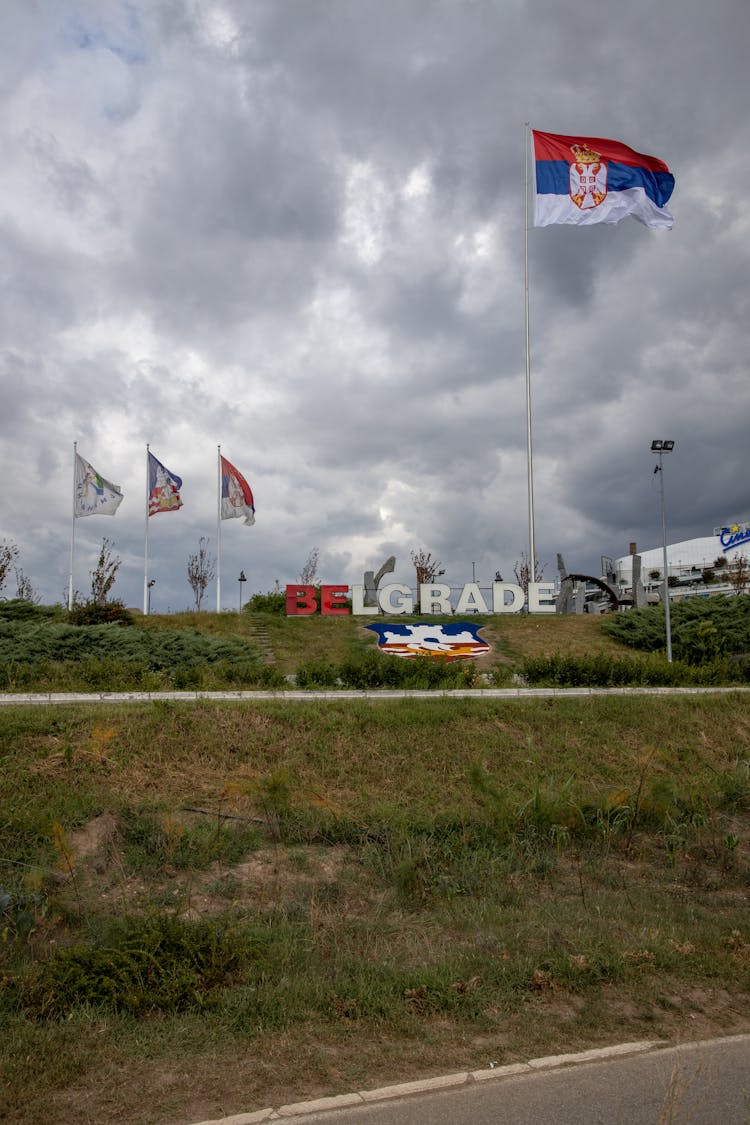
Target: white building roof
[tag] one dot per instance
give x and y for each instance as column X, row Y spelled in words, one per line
column 690, row 553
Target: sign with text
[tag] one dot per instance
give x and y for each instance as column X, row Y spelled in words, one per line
column 395, row 598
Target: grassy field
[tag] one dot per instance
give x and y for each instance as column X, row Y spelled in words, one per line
column 295, row 640
column 202, row 900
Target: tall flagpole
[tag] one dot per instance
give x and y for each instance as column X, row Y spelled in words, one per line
column 218, row 532
column 529, row 456
column 145, row 553
column 72, row 531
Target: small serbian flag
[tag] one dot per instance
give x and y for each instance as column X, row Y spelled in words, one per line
column 582, row 180
column 163, row 488
column 236, row 494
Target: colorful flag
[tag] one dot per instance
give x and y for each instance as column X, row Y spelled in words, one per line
column 236, row 494
column 584, row 180
column 163, row 488
column 94, row 496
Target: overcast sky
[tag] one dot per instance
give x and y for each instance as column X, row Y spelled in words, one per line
column 295, row 228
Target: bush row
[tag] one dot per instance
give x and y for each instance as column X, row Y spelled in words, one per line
column 374, row 670
column 112, row 674
column 603, row 671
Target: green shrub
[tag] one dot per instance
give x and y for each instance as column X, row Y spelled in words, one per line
column 138, row 966
column 45, row 653
column 317, row 674
column 20, row 912
column 374, row 670
column 249, row 673
column 703, row 629
column 188, row 677
column 100, row 613
column 19, row 609
column 603, row 671
column 272, row 602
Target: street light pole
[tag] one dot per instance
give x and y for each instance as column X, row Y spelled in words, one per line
column 241, row 579
column 661, row 447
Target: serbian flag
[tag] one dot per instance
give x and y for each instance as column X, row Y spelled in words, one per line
column 163, row 488
column 582, row 180
column 236, row 494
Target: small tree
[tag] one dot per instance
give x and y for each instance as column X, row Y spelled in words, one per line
column 24, row 589
column 309, row 572
column 522, row 572
column 104, row 573
column 739, row 574
column 8, row 556
column 427, row 569
column 201, row 569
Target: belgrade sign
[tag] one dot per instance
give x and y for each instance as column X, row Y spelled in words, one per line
column 395, row 598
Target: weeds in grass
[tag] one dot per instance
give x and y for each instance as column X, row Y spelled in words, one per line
column 65, row 859
column 21, row 912
column 153, row 843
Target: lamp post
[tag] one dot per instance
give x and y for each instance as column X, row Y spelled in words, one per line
column 241, row 579
column 661, row 447
column 149, row 587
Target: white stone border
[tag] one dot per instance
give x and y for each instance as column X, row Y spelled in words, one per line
column 24, row 699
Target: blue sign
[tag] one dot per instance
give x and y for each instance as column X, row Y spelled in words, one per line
column 734, row 536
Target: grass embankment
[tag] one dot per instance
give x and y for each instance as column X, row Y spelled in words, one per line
column 42, row 650
column 411, row 887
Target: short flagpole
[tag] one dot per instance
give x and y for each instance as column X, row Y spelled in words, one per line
column 72, row 531
column 529, row 455
column 145, row 553
column 218, row 532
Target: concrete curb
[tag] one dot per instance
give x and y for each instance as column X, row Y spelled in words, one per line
column 431, row 1085
column 43, row 699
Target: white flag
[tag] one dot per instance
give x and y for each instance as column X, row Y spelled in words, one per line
column 94, row 496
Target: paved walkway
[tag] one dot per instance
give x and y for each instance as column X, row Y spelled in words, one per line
column 46, row 698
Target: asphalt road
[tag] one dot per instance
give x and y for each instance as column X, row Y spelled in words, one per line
column 704, row 1083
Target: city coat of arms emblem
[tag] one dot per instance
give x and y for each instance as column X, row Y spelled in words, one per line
column 588, row 177
column 453, row 641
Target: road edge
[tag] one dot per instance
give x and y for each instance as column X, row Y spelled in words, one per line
column 441, row 1082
